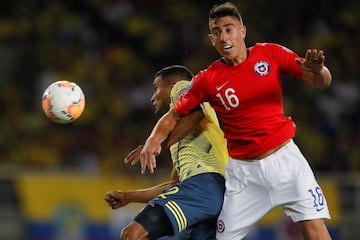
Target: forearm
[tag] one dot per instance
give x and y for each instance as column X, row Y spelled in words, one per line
column 152, row 146
column 145, row 195
column 321, row 79
column 183, row 127
column 164, row 126
column 314, row 70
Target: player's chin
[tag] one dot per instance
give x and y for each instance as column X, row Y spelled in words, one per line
column 228, row 54
column 156, row 111
column 159, row 112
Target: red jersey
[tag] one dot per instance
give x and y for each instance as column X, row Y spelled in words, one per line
column 248, row 99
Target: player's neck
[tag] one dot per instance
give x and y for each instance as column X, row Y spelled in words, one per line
column 239, row 59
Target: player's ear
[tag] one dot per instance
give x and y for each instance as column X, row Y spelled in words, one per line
column 211, row 39
column 243, row 31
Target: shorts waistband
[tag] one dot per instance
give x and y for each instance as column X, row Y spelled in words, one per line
column 268, row 153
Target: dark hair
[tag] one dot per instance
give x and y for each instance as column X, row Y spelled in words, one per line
column 223, row 10
column 177, row 70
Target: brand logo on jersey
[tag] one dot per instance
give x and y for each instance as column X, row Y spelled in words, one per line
column 220, row 226
column 218, row 88
column 262, row 68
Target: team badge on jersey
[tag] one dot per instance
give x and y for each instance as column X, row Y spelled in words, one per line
column 262, row 68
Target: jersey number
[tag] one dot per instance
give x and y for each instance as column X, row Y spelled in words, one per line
column 318, row 198
column 229, row 99
column 172, row 190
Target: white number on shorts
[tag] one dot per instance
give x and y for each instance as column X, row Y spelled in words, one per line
column 318, row 197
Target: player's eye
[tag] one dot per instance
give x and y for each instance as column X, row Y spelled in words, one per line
column 229, row 29
column 216, row 32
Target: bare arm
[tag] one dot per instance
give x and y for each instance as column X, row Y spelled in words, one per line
column 182, row 128
column 118, row 198
column 315, row 72
column 162, row 129
column 152, row 147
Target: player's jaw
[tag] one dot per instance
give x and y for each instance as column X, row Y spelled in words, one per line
column 155, row 109
column 155, row 103
column 159, row 107
column 229, row 51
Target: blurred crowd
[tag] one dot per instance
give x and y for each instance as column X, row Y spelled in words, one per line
column 112, row 49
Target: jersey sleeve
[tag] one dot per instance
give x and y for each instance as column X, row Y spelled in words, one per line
column 286, row 60
column 177, row 90
column 192, row 97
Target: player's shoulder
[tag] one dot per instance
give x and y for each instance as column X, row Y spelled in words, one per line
column 270, row 46
column 182, row 83
column 211, row 73
column 270, row 50
column 179, row 87
column 217, row 65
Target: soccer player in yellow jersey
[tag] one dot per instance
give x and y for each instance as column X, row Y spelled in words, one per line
column 188, row 205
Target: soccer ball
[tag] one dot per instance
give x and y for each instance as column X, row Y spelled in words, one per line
column 63, row 101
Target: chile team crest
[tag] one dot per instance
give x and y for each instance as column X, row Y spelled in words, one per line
column 262, row 68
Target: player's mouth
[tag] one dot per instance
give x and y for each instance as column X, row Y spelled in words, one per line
column 227, row 47
column 155, row 108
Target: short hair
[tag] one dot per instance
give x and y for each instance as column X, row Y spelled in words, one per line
column 223, row 10
column 175, row 70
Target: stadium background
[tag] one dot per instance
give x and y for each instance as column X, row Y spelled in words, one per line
column 53, row 177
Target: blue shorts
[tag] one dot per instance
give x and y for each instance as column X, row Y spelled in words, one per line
column 194, row 204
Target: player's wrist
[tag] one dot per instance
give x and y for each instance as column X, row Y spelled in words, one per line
column 322, row 78
column 315, row 70
column 152, row 140
column 125, row 198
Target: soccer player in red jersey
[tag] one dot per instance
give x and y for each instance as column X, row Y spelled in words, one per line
column 266, row 169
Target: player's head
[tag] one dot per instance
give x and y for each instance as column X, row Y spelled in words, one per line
column 223, row 10
column 227, row 30
column 163, row 83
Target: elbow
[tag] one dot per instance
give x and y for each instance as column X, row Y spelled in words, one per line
column 327, row 84
column 325, row 78
column 324, row 84
column 174, row 114
column 321, row 79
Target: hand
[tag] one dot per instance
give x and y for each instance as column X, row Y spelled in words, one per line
column 148, row 155
column 116, row 199
column 314, row 61
column 134, row 156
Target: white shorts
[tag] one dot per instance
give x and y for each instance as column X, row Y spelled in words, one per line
column 254, row 187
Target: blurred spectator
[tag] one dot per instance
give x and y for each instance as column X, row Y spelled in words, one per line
column 112, row 49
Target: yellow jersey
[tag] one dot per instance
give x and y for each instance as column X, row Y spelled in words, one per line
column 204, row 148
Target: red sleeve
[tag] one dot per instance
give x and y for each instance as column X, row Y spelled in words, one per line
column 286, row 60
column 193, row 97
